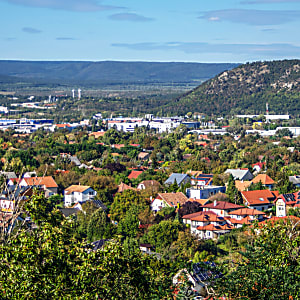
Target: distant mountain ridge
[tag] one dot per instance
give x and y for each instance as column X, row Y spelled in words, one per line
column 110, row 71
column 246, row 89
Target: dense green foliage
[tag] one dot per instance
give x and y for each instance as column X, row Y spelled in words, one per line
column 269, row 268
column 49, row 262
column 246, row 89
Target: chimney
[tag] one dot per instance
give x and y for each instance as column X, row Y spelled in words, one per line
column 215, row 202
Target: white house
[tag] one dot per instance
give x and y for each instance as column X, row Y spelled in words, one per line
column 78, row 193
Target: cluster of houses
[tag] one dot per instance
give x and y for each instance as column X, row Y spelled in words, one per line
column 216, row 217
column 220, row 217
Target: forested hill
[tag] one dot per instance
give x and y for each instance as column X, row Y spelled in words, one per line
column 110, row 71
column 246, row 89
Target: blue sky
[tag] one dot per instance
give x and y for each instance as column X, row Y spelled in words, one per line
column 150, row 30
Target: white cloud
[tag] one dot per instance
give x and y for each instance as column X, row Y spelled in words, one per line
column 252, row 16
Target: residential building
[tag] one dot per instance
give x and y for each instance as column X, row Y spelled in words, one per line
column 266, row 180
column 149, row 184
column 260, row 199
column 168, row 200
column 46, row 183
column 221, row 208
column 204, row 191
column 240, row 174
column 78, row 193
column 245, row 216
column 286, row 201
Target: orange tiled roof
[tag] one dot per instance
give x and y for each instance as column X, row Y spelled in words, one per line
column 200, row 201
column 264, row 178
column 208, row 218
column 197, row 214
column 242, row 185
column 246, row 221
column 47, row 181
column 173, row 198
column 76, row 188
column 212, row 227
column 62, row 125
column 222, row 205
column 134, row 174
column 123, row 187
column 246, row 211
column 259, row 197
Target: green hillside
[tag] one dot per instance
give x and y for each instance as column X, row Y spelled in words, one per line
column 246, row 89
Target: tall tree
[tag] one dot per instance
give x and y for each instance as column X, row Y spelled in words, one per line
column 99, row 226
column 269, row 268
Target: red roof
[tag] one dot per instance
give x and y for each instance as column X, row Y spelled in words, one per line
column 260, row 164
column 212, row 227
column 47, row 181
column 246, row 212
column 246, row 221
column 134, row 174
column 259, row 197
column 197, row 214
column 222, row 205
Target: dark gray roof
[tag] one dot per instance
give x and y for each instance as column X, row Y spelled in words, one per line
column 176, row 176
column 69, row 211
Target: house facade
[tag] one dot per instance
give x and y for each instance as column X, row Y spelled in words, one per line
column 221, row 208
column 168, row 200
column 260, row 199
column 284, row 202
column 78, row 193
column 204, row 191
column 46, row 183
